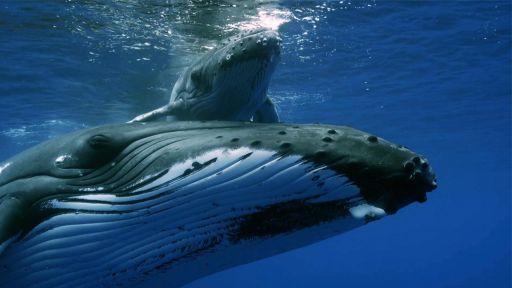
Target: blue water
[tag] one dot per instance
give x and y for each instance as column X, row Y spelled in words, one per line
column 435, row 76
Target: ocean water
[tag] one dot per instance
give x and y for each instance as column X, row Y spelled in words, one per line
column 432, row 75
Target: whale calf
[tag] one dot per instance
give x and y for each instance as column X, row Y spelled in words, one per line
column 169, row 202
column 228, row 83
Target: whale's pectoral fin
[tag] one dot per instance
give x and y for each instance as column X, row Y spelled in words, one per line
column 153, row 115
column 267, row 113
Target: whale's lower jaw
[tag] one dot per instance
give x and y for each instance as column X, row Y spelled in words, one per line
column 197, row 217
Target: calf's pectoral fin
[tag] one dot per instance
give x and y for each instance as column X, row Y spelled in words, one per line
column 153, row 115
column 267, row 113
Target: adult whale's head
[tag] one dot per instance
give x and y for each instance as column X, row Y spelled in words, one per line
column 228, row 83
column 176, row 201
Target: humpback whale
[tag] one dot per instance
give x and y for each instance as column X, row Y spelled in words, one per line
column 229, row 83
column 136, row 203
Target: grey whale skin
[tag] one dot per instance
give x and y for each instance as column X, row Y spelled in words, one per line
column 169, row 202
column 228, row 83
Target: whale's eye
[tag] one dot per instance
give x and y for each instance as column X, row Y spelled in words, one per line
column 96, row 151
column 100, row 149
column 99, row 141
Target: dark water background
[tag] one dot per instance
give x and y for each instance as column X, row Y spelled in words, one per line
column 433, row 75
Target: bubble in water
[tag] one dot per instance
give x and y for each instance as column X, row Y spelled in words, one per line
column 228, row 57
